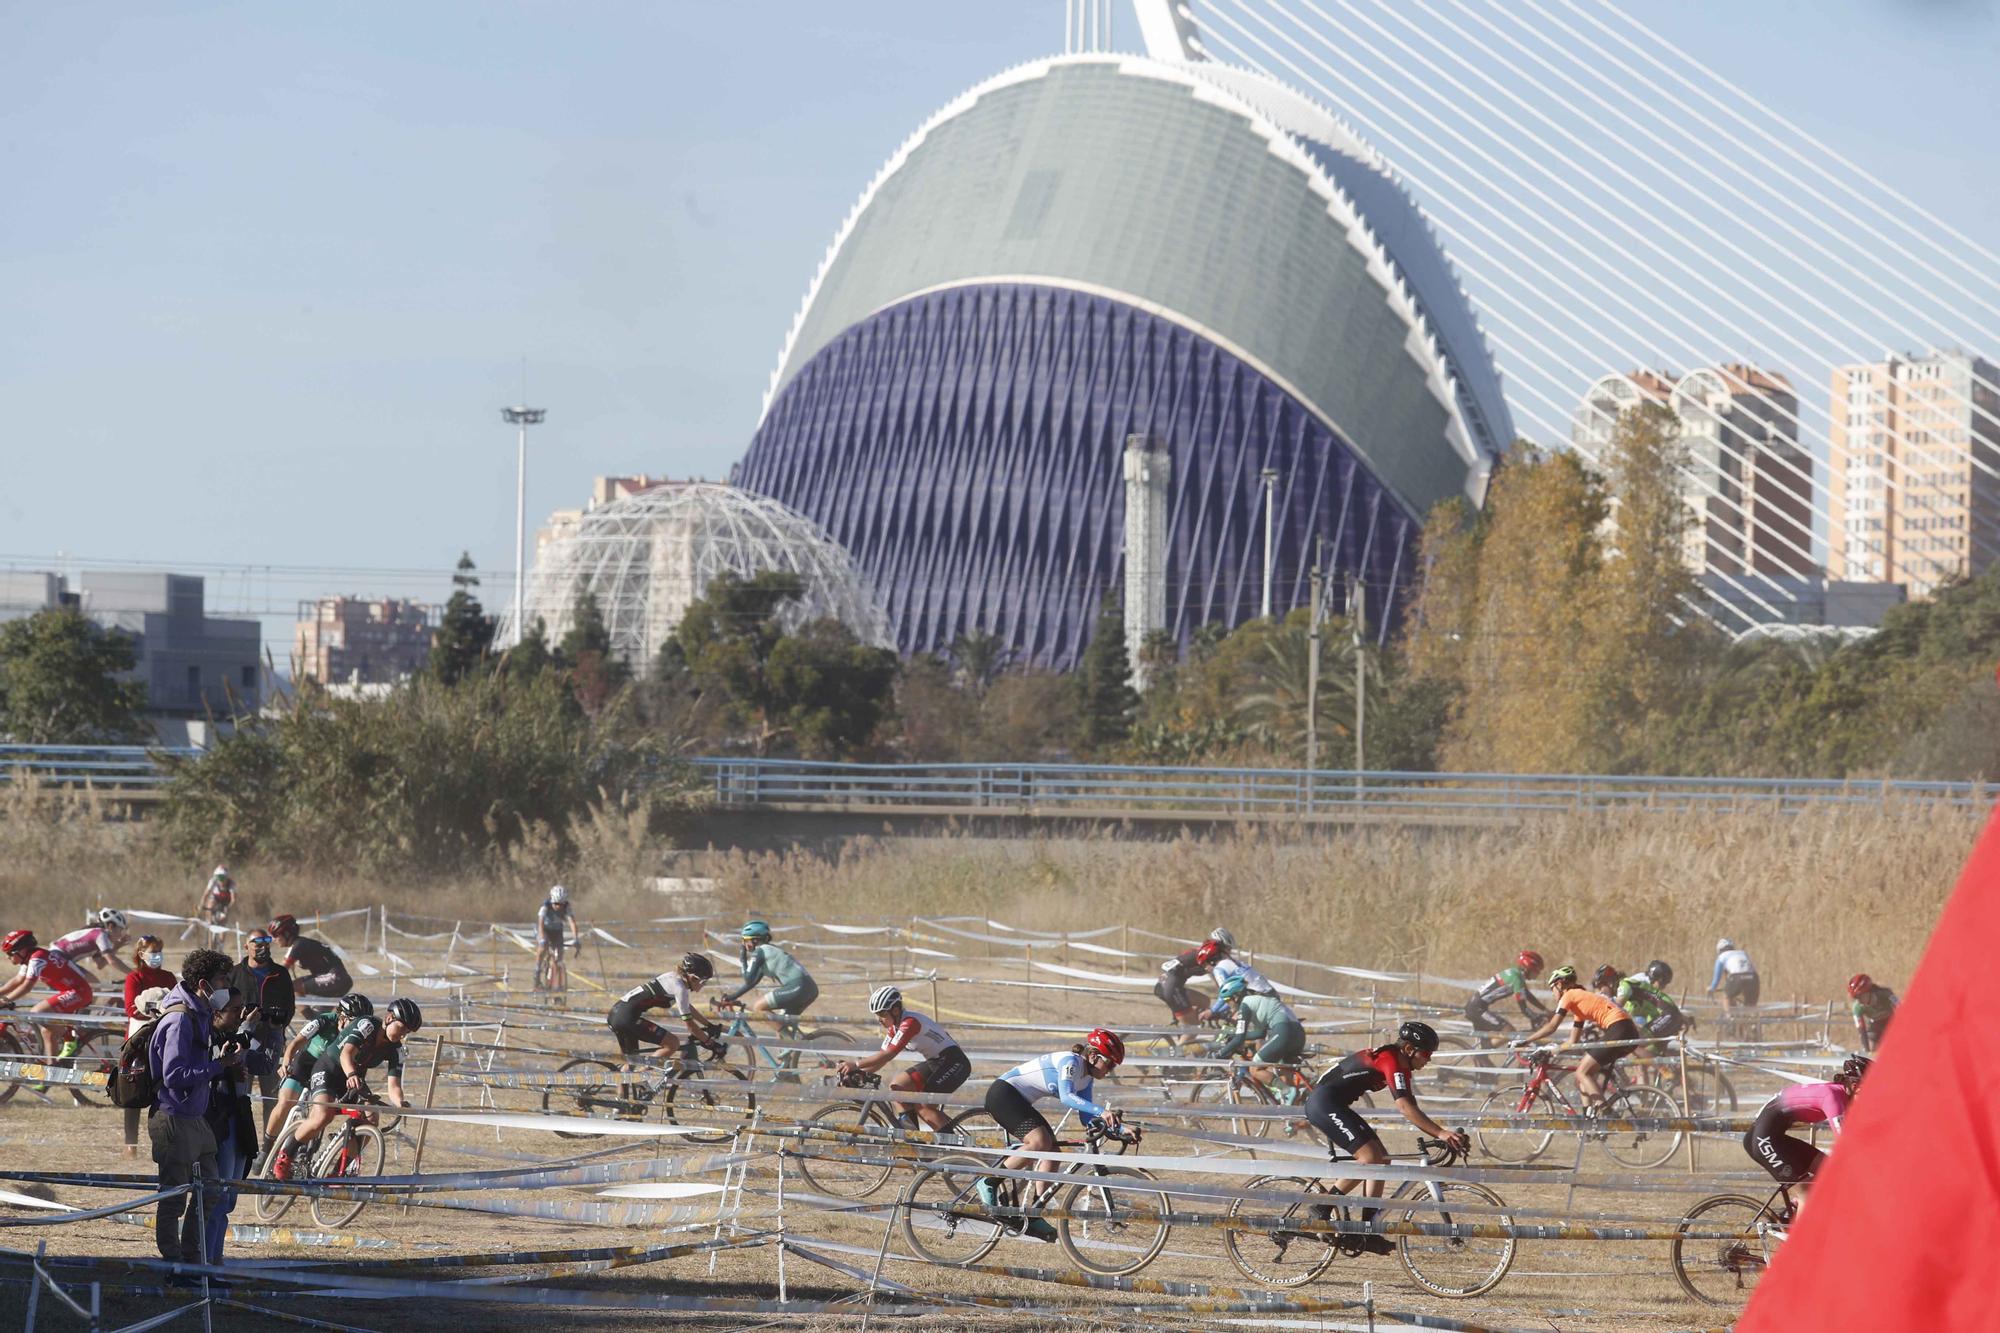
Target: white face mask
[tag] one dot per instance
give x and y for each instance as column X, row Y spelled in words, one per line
column 155, row 959
column 218, row 999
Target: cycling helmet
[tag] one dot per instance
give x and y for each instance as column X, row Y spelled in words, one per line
column 1233, row 989
column 1563, row 973
column 18, row 942
column 1860, row 984
column 1606, row 975
column 756, row 930
column 112, row 919
column 1107, row 1044
column 283, row 924
column 697, row 965
column 1724, row 945
column 1222, row 936
column 1855, row 1067
column 1659, row 972
column 355, row 1005
column 1209, row 952
column 221, row 872
column 1530, row 961
column 1420, row 1035
column 405, row 1011
column 558, row 894
column 883, row 1000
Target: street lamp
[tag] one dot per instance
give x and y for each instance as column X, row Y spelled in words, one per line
column 523, row 417
column 1270, row 476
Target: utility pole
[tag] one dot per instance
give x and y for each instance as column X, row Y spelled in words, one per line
column 1270, row 476
column 1312, row 671
column 523, row 417
column 1357, row 616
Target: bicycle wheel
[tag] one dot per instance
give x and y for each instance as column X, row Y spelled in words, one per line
column 1279, row 1257
column 1514, row 1145
column 1724, row 1270
column 10, row 1048
column 843, row 1177
column 1252, row 1097
column 95, row 1054
column 1454, row 1070
column 708, row 1103
column 271, row 1207
column 610, row 1099
column 1129, row 1237
column 360, row 1155
column 1641, row 1148
column 975, row 1128
column 943, row 1220
column 815, row 1068
column 1455, row 1266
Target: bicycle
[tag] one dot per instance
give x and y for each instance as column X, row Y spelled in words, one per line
column 551, row 971
column 351, row 1146
column 635, row 1095
column 1636, row 1148
column 1286, row 1255
column 89, row 1059
column 786, row 1065
column 1738, row 1261
column 945, row 1222
column 1242, row 1090
column 844, row 1177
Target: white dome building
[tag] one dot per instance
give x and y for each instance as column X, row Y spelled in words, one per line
column 647, row 556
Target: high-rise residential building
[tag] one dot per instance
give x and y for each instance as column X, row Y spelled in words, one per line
column 354, row 640
column 1748, row 482
column 1915, row 463
column 603, row 490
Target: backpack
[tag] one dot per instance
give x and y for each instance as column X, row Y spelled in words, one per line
column 132, row 1086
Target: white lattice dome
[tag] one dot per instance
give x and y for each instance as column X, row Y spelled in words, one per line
column 647, row 556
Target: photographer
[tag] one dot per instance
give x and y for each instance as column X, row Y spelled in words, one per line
column 183, row 1071
column 266, row 987
column 230, row 1116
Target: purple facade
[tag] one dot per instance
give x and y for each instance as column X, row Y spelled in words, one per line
column 966, row 447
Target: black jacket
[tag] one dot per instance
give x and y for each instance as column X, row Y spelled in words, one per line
column 272, row 992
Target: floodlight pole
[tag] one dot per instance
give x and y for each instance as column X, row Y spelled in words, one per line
column 1270, row 476
column 523, row 417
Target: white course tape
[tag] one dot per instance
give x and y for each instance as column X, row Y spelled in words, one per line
column 670, row 1189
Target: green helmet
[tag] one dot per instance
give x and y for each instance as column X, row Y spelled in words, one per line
column 1233, row 989
column 756, row 930
column 1563, row 973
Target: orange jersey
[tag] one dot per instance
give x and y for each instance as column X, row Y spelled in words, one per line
column 1587, row 1006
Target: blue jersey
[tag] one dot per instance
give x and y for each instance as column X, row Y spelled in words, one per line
column 1061, row 1075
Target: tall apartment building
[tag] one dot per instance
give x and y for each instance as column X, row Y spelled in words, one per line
column 354, row 640
column 564, row 522
column 1749, row 484
column 1915, row 463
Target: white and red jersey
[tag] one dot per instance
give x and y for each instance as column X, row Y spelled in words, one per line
column 54, row 970
column 82, row 945
column 920, row 1034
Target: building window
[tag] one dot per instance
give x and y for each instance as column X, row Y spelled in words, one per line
column 250, row 677
column 194, row 680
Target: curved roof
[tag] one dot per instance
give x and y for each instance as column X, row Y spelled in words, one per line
column 1212, row 197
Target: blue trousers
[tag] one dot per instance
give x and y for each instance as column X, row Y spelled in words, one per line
column 232, row 1165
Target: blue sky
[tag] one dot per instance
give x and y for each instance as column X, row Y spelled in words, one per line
column 270, row 270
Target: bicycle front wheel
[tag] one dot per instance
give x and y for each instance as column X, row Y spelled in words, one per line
column 1278, row 1256
column 360, row 1155
column 600, row 1092
column 1457, row 1266
column 1251, row 1097
column 841, row 1176
column 819, row 1058
column 1127, row 1228
column 943, row 1220
column 1514, row 1145
column 1723, row 1269
column 271, row 1207
column 10, row 1047
column 1641, row 1148
column 714, row 1104
column 96, row 1053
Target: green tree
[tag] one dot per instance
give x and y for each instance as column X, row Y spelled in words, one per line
column 1106, row 700
column 586, row 652
column 827, row 690
column 531, row 656
column 979, row 657
column 464, row 636
column 1275, row 706
column 60, row 685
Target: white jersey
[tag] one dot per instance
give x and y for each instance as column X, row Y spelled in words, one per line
column 1060, row 1074
column 1735, row 963
column 918, row 1033
column 666, row 991
column 79, row 945
column 1225, row 968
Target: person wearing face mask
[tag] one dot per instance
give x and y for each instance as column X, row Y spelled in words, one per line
column 183, row 1071
column 267, row 988
column 148, row 972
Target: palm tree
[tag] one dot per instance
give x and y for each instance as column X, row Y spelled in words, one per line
column 1274, row 707
column 980, row 658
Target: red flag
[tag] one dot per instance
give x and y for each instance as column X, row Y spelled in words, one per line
column 1903, row 1226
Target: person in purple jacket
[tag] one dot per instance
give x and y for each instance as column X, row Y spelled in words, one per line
column 183, row 1070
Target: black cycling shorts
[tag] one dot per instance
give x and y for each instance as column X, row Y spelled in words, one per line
column 1621, row 1032
column 332, row 985
column 1790, row 1161
column 331, row 1081
column 1173, row 992
column 1014, row 1112
column 300, row 1070
column 1484, row 1019
column 1667, row 1025
column 1344, row 1128
column 1740, row 987
column 944, row 1072
column 633, row 1031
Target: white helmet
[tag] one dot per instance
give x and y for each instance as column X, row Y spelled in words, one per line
column 558, row 894
column 1222, row 936
column 885, row 999
column 221, row 872
column 1724, row 945
column 112, row 919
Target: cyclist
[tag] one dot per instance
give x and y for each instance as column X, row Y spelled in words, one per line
column 1873, row 1007
column 943, row 1068
column 96, row 945
column 1638, row 995
column 1507, row 981
column 216, row 898
column 1174, row 973
column 1330, row 1108
column 1793, row 1161
column 303, row 1051
column 1617, row 1032
column 341, row 1074
column 1067, row 1076
column 1735, row 974
column 324, row 973
column 1221, row 964
column 69, row 988
column 670, row 990
column 793, row 989
column 1261, row 1018
column 551, row 919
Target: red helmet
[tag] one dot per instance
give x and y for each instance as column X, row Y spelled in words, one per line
column 1606, row 975
column 284, row 924
column 1209, row 951
column 18, row 942
column 1107, row 1044
column 1529, row 960
column 1860, row 985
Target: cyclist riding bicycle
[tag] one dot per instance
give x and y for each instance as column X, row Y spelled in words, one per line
column 1174, row 973
column 1873, row 1007
column 1648, row 1003
column 96, row 945
column 1068, row 1076
column 1507, row 981
column 304, row 1051
column 69, row 989
column 1330, row 1108
column 216, row 898
column 341, row 1074
column 1793, row 1161
column 1735, row 974
column 1261, row 1018
column 1223, row 966
column 670, row 990
column 943, row 1068
column 793, row 989
column 555, row 926
column 1618, row 1034
column 324, row 974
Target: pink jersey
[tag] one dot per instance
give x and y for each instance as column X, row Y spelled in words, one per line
column 1813, row 1103
column 80, row 945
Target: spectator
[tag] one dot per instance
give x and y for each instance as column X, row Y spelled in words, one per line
column 183, row 1069
column 230, row 1117
column 266, row 987
column 146, row 974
